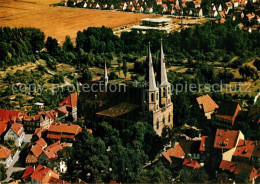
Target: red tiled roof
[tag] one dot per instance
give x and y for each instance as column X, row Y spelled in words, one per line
column 226, row 138
column 57, row 181
column 203, row 143
column 71, row 100
column 244, row 148
column 9, row 114
column 63, row 109
column 28, row 172
column 238, row 168
column 17, row 129
column 41, row 142
column 191, row 163
column 207, row 103
column 4, row 152
column 52, row 151
column 36, row 150
column 3, row 126
column 64, row 128
column 176, row 152
column 44, row 174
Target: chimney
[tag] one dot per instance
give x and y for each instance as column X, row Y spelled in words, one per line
column 33, row 167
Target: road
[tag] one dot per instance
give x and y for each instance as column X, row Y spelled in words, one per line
column 52, row 73
column 11, row 168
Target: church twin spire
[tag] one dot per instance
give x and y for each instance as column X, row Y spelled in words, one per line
column 163, row 76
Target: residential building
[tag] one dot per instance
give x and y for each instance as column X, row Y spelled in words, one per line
column 240, row 169
column 227, row 113
column 42, row 120
column 59, row 131
column 5, row 156
column 191, row 163
column 174, row 156
column 41, row 174
column 16, row 133
column 243, row 152
column 208, row 105
column 71, row 103
column 226, row 142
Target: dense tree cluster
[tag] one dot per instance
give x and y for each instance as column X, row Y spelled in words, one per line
column 116, row 155
column 19, row 45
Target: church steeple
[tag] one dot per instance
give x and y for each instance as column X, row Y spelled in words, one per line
column 151, row 94
column 105, row 76
column 152, row 83
column 165, row 87
column 164, row 79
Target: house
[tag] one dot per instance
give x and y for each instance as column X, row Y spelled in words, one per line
column 59, row 131
column 35, row 151
column 50, row 154
column 159, row 2
column 255, row 159
column 148, row 10
column 41, row 174
column 240, row 169
column 122, row 6
column 11, row 116
column 111, row 7
column 85, row 5
column 139, row 9
column 229, row 6
column 219, row 8
column 208, row 105
column 191, row 148
column 244, row 150
column 130, row 8
column 3, row 127
column 174, row 156
column 226, row 142
column 197, row 3
column 95, row 6
column 191, row 163
column 5, row 156
column 71, row 103
column 227, row 113
column 213, row 13
column 42, row 120
column 104, row 6
column 16, row 133
column 235, row 3
column 197, row 12
column 163, row 9
column 250, row 16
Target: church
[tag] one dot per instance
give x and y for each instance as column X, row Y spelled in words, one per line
column 128, row 104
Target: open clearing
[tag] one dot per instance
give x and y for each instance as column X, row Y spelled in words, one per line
column 58, row 22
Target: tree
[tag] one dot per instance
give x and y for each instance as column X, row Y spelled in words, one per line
column 125, row 69
column 247, row 71
column 185, row 175
column 119, row 68
column 67, row 45
column 257, row 64
column 52, row 46
column 3, row 170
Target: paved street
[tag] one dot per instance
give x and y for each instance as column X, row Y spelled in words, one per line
column 11, row 168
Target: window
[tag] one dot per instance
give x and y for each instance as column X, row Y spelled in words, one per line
column 164, row 92
column 163, row 120
column 152, row 97
column 169, row 118
column 157, row 96
column 157, row 125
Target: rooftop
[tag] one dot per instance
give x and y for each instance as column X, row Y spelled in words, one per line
column 207, row 103
column 226, row 138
